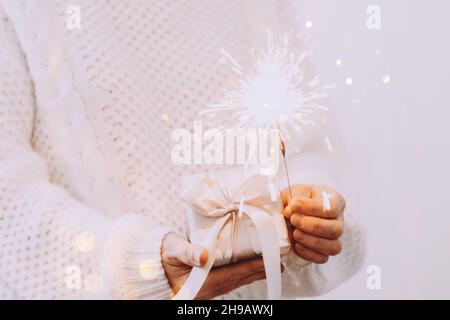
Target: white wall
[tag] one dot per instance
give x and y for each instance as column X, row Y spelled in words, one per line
column 398, row 134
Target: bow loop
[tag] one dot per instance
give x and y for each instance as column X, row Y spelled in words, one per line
column 218, row 194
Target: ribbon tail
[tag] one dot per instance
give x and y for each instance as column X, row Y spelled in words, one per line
column 198, row 275
column 270, row 248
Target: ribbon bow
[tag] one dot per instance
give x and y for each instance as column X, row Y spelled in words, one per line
column 226, row 196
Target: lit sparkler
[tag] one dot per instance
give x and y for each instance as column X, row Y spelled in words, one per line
column 276, row 94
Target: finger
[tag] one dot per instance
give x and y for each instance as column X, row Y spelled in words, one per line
column 219, row 282
column 227, row 277
column 321, row 245
column 309, row 255
column 311, row 207
column 287, row 212
column 233, row 272
column 326, row 228
column 257, row 274
column 298, row 191
column 243, row 281
column 225, row 287
column 192, row 255
column 236, row 271
column 324, row 208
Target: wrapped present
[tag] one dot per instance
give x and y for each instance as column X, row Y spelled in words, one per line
column 235, row 215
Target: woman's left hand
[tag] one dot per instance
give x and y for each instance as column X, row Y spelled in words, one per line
column 315, row 221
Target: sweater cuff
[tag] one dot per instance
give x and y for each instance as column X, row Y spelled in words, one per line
column 131, row 264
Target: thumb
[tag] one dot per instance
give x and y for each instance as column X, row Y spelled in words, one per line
column 193, row 255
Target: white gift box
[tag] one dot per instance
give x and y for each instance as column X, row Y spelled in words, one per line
column 209, row 197
column 247, row 244
column 235, row 215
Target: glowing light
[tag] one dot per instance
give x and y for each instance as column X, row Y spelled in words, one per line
column 349, row 81
column 85, row 242
column 326, row 201
column 386, row 79
column 339, row 62
column 208, row 181
column 274, row 94
column 148, row 269
column 165, row 116
column 308, row 24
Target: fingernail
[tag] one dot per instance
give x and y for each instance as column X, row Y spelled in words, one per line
column 287, row 211
column 296, row 220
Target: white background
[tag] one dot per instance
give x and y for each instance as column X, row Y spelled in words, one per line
column 398, row 134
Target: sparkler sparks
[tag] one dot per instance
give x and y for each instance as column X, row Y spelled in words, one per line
column 328, row 143
column 133, row 142
column 326, row 201
column 275, row 94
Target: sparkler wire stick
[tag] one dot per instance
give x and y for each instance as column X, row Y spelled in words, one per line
column 283, row 152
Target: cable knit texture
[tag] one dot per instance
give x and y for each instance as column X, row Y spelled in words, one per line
column 87, row 186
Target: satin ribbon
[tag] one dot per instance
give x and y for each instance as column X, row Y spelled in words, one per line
column 222, row 198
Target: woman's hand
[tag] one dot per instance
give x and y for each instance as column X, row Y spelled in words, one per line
column 179, row 256
column 315, row 222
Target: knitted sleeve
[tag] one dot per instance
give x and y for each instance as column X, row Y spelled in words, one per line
column 51, row 245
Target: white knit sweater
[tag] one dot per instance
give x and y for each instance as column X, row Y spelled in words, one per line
column 87, row 187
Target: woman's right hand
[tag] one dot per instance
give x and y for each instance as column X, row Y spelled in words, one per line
column 179, row 256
